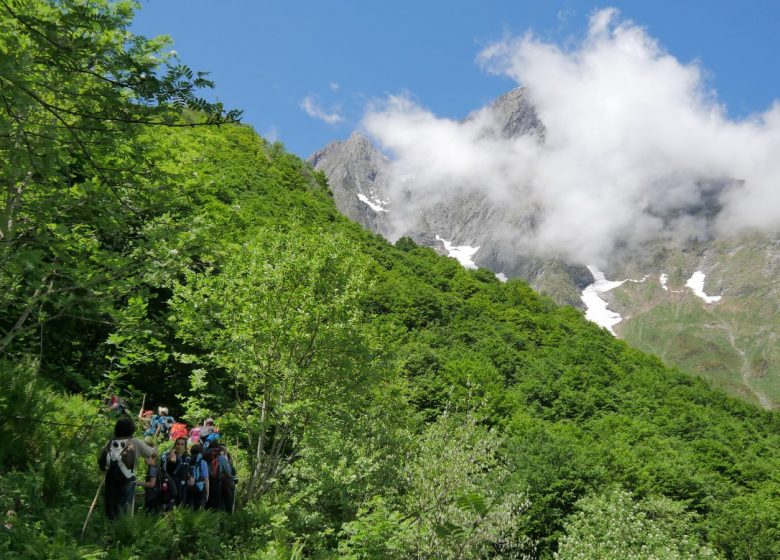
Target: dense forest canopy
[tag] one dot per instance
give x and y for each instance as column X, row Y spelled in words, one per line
column 380, row 400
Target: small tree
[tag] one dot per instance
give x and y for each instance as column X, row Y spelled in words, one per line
column 457, row 502
column 613, row 525
column 281, row 318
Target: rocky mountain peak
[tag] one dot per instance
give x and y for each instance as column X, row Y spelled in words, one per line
column 511, row 115
column 356, row 171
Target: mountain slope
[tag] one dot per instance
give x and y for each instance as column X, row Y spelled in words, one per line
column 731, row 343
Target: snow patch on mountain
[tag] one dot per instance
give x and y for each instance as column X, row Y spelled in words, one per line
column 376, row 206
column 696, row 283
column 664, row 278
column 596, row 308
column 501, row 276
column 463, row 253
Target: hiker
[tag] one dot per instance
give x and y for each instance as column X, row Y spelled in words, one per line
column 160, row 424
column 161, row 490
column 221, row 485
column 208, row 432
column 176, row 463
column 229, row 489
column 145, row 418
column 118, row 459
column 152, row 494
column 207, row 428
column 116, row 406
column 199, row 491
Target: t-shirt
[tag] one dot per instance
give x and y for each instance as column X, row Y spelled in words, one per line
column 142, row 449
column 151, row 474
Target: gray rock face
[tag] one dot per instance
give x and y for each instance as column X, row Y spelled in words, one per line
column 512, row 115
column 356, row 171
column 359, row 178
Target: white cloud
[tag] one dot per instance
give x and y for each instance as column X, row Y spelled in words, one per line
column 311, row 105
column 333, row 86
column 633, row 139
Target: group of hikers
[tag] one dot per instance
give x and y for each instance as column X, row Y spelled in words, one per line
column 197, row 472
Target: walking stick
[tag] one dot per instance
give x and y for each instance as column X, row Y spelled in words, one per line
column 92, row 507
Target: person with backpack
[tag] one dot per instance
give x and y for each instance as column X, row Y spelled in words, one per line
column 176, row 462
column 118, row 460
column 151, row 484
column 160, row 424
column 116, row 406
column 221, row 485
column 198, row 493
column 229, row 489
column 161, row 489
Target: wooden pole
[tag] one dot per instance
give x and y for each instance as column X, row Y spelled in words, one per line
column 92, row 507
column 143, row 402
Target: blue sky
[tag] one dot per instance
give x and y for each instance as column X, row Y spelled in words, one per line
column 275, row 59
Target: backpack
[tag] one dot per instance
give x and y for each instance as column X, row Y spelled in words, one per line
column 152, row 429
column 164, row 493
column 215, row 471
column 194, row 435
column 195, row 469
column 211, row 438
column 168, row 489
column 118, row 460
column 179, row 429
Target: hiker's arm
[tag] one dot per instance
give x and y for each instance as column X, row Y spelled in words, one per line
column 206, row 489
column 147, row 484
column 143, row 449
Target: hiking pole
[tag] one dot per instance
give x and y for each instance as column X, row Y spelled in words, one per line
column 92, row 507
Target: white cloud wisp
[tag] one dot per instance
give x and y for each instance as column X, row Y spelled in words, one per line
column 635, row 146
column 311, row 106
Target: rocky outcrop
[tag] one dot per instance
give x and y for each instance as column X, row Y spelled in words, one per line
column 356, row 172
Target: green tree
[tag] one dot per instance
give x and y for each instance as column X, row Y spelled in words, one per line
column 456, row 503
column 76, row 90
column 612, row 526
column 280, row 317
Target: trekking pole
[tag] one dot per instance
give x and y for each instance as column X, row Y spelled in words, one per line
column 143, row 402
column 92, row 507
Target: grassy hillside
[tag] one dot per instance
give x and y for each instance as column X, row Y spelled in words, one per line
column 731, row 343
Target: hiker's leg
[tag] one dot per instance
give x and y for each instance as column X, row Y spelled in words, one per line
column 195, row 498
column 227, row 500
column 181, row 498
column 111, row 501
column 126, row 495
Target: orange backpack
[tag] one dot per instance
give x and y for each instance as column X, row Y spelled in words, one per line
column 179, row 429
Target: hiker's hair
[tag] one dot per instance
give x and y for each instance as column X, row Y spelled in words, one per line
column 181, row 438
column 124, row 428
column 197, row 448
